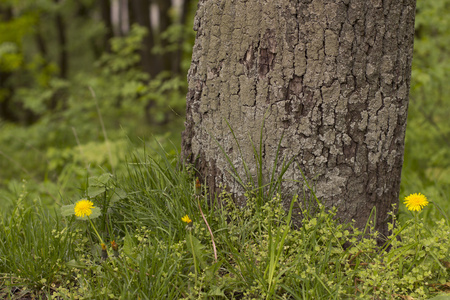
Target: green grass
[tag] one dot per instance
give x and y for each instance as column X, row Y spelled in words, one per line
column 260, row 254
column 66, row 157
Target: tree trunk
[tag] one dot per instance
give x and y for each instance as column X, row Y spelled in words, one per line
column 141, row 14
column 330, row 76
column 105, row 9
column 177, row 57
column 6, row 90
column 165, row 21
column 124, row 16
column 62, row 43
column 40, row 42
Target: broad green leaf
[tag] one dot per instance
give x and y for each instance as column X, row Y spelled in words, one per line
column 93, row 191
column 68, row 210
column 196, row 248
column 75, row 264
column 101, row 180
column 211, row 274
column 118, row 195
column 216, row 291
column 128, row 246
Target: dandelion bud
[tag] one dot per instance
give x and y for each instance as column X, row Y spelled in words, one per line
column 198, row 187
column 115, row 248
column 104, row 252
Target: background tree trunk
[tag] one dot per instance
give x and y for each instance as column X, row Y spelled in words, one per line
column 105, row 9
column 331, row 76
column 6, row 90
column 63, row 60
column 141, row 15
column 165, row 21
column 176, row 65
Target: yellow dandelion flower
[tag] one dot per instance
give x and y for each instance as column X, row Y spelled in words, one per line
column 186, row 219
column 83, row 208
column 415, row 202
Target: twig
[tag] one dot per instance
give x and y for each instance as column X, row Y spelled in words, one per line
column 210, row 231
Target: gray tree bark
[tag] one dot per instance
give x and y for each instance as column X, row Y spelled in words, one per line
column 331, row 76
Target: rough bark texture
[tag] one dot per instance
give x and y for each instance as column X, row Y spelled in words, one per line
column 331, row 75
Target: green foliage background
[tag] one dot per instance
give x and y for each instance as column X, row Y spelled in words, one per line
column 67, row 129
column 426, row 167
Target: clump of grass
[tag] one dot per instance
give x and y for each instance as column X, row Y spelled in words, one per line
column 155, row 252
column 34, row 247
column 159, row 193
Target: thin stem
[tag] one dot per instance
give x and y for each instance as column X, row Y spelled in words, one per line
column 98, row 235
column 416, row 226
column 210, row 231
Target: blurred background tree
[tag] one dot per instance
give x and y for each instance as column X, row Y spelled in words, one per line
column 46, row 45
column 134, row 56
column 79, row 79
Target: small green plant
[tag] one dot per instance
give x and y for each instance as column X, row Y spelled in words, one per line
column 212, row 252
column 84, row 210
column 34, row 246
